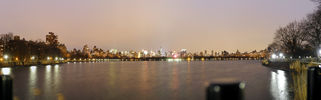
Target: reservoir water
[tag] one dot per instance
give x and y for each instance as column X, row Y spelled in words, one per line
column 148, row 80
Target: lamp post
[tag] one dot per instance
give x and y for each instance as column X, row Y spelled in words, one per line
column 319, row 54
column 6, row 57
column 32, row 58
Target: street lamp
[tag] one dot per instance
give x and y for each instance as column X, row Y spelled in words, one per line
column 274, row 56
column 32, row 58
column 281, row 54
column 5, row 57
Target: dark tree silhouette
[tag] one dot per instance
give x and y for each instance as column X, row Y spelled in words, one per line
column 291, row 38
column 312, row 28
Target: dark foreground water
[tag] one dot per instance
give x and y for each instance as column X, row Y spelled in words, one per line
column 147, row 80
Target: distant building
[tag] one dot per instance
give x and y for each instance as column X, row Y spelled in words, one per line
column 4, row 40
column 86, row 51
column 183, row 53
column 162, row 52
column 16, row 37
column 237, row 53
column 205, row 53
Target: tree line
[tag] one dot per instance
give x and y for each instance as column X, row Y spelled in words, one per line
column 23, row 51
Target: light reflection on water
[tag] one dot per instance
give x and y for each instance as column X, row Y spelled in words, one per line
column 147, row 80
column 57, row 77
column 279, row 85
column 48, row 69
column 48, row 78
column 6, row 71
column 32, row 82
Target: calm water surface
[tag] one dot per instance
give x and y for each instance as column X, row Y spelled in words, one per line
column 147, row 80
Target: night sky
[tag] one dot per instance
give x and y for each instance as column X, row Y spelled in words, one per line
column 150, row 24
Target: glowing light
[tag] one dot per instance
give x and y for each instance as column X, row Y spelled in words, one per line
column 48, row 68
column 274, row 56
column 1, row 59
column 281, row 55
column 6, row 57
column 56, row 58
column 32, row 58
column 138, row 56
column 279, row 85
column 177, row 60
column 145, row 52
column 17, row 58
column 5, row 71
column 33, row 68
column 175, row 56
column 56, row 66
column 48, row 58
column 202, row 59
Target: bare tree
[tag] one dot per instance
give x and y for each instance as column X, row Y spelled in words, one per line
column 291, row 38
column 300, row 38
column 312, row 28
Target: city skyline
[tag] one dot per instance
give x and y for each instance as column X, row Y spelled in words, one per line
column 208, row 25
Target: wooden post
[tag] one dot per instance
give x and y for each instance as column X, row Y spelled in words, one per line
column 314, row 83
column 6, row 88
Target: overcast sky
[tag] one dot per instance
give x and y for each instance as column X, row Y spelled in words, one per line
column 150, row 24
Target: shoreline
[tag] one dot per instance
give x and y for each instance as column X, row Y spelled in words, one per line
column 290, row 65
column 278, row 65
column 109, row 60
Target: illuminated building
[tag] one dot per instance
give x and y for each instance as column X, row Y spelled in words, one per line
column 4, row 39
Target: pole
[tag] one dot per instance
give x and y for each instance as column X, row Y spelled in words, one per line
column 314, row 87
column 6, row 88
